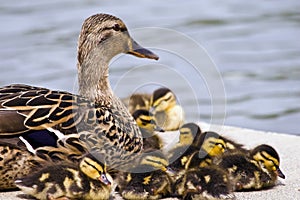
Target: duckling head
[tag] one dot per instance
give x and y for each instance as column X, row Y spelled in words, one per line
column 101, row 38
column 162, row 99
column 268, row 158
column 211, row 144
column 189, row 134
column 94, row 169
column 146, row 120
column 155, row 159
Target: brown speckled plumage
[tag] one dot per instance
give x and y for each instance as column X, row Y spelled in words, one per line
column 96, row 114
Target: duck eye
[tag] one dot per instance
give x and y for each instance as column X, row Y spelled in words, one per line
column 116, row 27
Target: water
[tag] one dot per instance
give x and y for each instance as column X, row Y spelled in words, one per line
column 254, row 45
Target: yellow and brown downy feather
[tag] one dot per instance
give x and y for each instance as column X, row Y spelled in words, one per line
column 147, row 179
column 149, row 128
column 168, row 113
column 162, row 103
column 96, row 114
column 188, row 145
column 204, row 183
column 257, row 169
column 197, row 177
column 87, row 179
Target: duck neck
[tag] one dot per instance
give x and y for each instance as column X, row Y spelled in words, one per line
column 93, row 77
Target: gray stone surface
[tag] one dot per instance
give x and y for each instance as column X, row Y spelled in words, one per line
column 286, row 145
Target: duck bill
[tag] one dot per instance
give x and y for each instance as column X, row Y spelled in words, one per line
column 159, row 129
column 152, row 109
column 170, row 171
column 280, row 173
column 104, row 180
column 139, row 51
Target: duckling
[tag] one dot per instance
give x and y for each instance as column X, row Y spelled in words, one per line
column 169, row 115
column 256, row 169
column 146, row 121
column 190, row 134
column 137, row 101
column 86, row 180
column 148, row 179
column 12, row 160
column 96, row 114
column 201, row 152
column 188, row 144
column 206, row 183
column 212, row 145
column 268, row 160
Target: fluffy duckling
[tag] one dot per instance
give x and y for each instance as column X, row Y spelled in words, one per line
column 206, row 183
column 256, row 170
column 189, row 141
column 14, row 163
column 214, row 145
column 204, row 148
column 162, row 102
column 169, row 115
column 87, row 180
column 190, row 134
column 148, row 179
column 146, row 121
column 138, row 101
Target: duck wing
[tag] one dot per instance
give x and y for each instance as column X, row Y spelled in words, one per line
column 24, row 108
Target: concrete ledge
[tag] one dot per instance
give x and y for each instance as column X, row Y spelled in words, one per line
column 286, row 145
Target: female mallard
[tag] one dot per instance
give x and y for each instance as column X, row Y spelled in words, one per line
column 37, row 115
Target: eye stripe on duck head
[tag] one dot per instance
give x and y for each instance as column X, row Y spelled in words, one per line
column 213, row 146
column 268, row 149
column 159, row 93
column 92, row 168
column 155, row 161
column 169, row 100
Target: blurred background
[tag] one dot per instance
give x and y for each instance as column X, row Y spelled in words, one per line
column 253, row 47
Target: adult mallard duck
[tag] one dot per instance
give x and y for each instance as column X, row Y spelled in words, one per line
column 33, row 117
column 39, row 116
